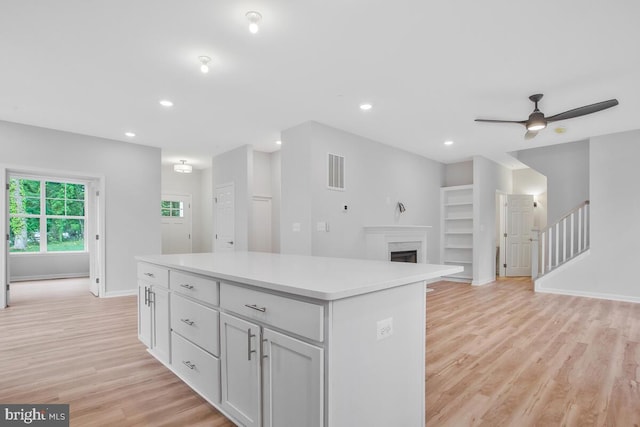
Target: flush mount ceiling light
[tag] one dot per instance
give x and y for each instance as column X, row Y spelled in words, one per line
column 130, row 134
column 254, row 21
column 448, row 142
column 204, row 63
column 278, row 142
column 182, row 167
column 166, row 103
column 366, row 107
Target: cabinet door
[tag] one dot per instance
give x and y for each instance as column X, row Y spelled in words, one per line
column 240, row 358
column 293, row 382
column 160, row 323
column 144, row 314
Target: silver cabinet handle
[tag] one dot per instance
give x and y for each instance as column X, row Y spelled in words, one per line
column 255, row 307
column 146, row 296
column 188, row 364
column 249, row 351
column 186, row 286
column 187, row 321
column 149, row 274
column 264, row 353
column 230, row 242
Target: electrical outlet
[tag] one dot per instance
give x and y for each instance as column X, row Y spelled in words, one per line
column 321, row 226
column 385, row 328
column 296, row 227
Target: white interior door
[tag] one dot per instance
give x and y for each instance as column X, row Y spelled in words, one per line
column 224, row 200
column 176, row 224
column 519, row 225
column 260, row 230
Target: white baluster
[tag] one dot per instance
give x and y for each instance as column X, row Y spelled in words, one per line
column 572, row 233
column 542, row 252
column 557, row 244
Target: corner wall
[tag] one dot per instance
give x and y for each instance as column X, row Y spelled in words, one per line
column 609, row 269
column 488, row 178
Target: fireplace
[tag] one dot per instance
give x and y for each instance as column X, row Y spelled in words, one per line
column 404, row 256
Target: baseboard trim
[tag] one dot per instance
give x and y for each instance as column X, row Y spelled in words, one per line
column 483, row 282
column 125, row 293
column 596, row 295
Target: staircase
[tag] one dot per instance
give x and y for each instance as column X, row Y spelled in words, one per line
column 560, row 242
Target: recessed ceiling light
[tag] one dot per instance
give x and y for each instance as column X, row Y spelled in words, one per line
column 279, row 142
column 560, row 129
column 130, row 134
column 254, row 21
column 449, row 142
column 366, row 107
column 204, row 63
column 166, row 103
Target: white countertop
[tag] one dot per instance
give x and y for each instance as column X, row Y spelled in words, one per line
column 315, row 277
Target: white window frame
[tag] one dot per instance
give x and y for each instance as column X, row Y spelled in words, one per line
column 43, row 215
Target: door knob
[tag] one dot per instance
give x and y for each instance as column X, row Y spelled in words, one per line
column 231, row 242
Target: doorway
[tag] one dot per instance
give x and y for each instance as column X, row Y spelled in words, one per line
column 87, row 227
column 176, row 224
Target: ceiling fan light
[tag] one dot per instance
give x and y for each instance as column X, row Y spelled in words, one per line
column 535, row 126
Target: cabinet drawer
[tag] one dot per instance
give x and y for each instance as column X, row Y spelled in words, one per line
column 153, row 274
column 203, row 289
column 196, row 367
column 302, row 318
column 195, row 322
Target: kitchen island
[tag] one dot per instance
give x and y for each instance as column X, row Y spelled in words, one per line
column 291, row 340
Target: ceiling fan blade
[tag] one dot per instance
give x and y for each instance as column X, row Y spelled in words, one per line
column 581, row 111
column 521, row 122
column 530, row 134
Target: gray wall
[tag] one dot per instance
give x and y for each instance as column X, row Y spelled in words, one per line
column 377, row 177
column 458, row 174
column 276, row 184
column 237, row 166
column 488, row 178
column 566, row 167
column 206, row 227
column 132, row 188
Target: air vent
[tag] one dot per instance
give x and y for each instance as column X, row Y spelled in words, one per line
column 335, row 169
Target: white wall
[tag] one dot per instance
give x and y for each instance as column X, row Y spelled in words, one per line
column 566, row 167
column 377, row 177
column 609, row 270
column 237, row 166
column 529, row 181
column 206, row 226
column 132, row 188
column 48, row 266
column 276, row 184
column 488, row 177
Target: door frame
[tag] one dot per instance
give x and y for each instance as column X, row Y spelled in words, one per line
column 94, row 181
column 501, row 214
column 216, row 222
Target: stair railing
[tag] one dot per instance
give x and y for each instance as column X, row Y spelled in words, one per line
column 561, row 241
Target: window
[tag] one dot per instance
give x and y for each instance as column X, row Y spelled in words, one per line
column 46, row 216
column 170, row 208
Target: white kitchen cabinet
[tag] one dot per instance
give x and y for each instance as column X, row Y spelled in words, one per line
column 240, row 357
column 153, row 310
column 292, row 381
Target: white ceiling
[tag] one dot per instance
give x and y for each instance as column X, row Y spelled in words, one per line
column 429, row 68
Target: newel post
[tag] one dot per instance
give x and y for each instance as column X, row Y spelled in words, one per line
column 535, row 253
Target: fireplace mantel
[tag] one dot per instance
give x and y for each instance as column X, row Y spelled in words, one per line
column 382, row 239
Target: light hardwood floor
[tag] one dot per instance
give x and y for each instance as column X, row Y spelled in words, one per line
column 497, row 355
column 502, row 355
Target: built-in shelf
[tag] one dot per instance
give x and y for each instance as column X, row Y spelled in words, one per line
column 456, row 238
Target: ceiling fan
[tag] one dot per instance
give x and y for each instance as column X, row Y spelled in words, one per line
column 537, row 121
